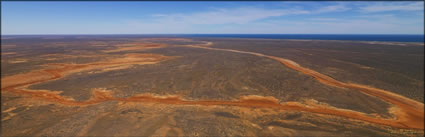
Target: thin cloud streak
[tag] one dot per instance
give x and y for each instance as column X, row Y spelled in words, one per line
column 241, row 15
column 225, row 16
column 393, row 6
column 333, row 8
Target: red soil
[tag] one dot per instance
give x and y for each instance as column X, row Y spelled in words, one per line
column 135, row 46
column 409, row 116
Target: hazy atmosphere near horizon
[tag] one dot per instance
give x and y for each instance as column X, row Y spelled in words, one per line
column 212, row 68
column 192, row 17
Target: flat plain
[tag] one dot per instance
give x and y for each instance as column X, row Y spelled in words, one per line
column 157, row 86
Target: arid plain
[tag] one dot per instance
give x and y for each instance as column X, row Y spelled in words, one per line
column 157, row 86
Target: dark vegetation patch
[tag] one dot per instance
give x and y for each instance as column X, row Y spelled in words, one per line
column 131, row 111
column 226, row 114
column 292, row 116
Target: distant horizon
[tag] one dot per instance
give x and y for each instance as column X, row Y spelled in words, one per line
column 204, row 34
column 345, row 37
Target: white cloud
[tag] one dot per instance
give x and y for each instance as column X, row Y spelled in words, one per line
column 318, row 26
column 225, row 16
column 325, row 19
column 393, row 6
column 348, row 26
column 333, row 8
column 158, row 15
column 241, row 15
column 245, row 20
column 331, row 27
column 377, row 16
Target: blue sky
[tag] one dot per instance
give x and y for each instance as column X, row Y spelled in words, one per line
column 193, row 17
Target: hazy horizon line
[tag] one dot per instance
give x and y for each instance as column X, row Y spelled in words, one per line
column 215, row 34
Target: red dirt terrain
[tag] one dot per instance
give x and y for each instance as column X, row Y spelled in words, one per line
column 410, row 114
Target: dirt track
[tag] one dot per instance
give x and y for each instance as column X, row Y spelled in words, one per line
column 410, row 114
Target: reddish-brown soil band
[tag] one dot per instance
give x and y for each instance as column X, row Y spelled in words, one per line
column 258, row 102
column 410, row 115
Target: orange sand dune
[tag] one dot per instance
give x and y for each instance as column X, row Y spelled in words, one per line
column 135, row 46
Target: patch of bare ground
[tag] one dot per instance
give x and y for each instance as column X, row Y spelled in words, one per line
column 73, row 56
column 168, row 39
column 18, row 61
column 8, row 53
